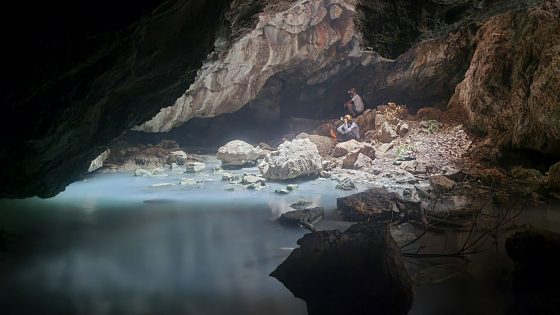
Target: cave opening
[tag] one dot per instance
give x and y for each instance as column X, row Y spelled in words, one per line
column 446, row 202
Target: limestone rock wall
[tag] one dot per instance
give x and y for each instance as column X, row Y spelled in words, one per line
column 511, row 90
column 308, row 37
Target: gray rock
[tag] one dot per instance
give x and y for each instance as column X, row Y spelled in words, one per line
column 237, row 154
column 346, row 147
column 292, row 159
column 303, row 217
column 325, row 145
column 346, row 184
column 300, row 205
column 441, row 184
column 179, row 157
column 360, row 271
column 97, row 163
column 176, row 168
column 386, row 133
column 142, row 172
column 281, row 191
column 195, row 167
column 252, row 179
column 378, row 204
column 362, row 162
column 402, row 128
column 228, row 177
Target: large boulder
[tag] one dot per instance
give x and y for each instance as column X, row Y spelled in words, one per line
column 237, row 154
column 346, row 147
column 366, row 121
column 325, row 145
column 292, row 159
column 386, row 133
column 360, row 271
column 377, row 204
column 554, row 176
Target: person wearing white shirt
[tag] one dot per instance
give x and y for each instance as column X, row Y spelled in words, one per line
column 355, row 105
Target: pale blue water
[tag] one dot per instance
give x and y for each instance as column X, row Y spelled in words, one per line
column 113, row 244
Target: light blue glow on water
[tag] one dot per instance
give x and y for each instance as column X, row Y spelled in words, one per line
column 115, row 243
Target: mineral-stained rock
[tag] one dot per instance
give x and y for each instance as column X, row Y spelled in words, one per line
column 441, row 184
column 377, row 204
column 346, row 147
column 292, row 159
column 360, row 271
column 554, row 176
column 237, row 153
column 510, row 90
column 324, row 144
column 386, row 133
column 304, row 217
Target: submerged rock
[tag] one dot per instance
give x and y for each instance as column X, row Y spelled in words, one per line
column 346, row 184
column 300, row 205
column 237, row 154
column 377, row 204
column 252, row 179
column 292, row 159
column 141, row 172
column 303, row 217
column 195, row 167
column 360, row 271
column 178, row 157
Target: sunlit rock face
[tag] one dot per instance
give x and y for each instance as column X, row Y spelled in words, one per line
column 79, row 75
column 511, row 90
column 307, row 38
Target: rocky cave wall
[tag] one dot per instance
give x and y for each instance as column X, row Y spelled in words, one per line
column 82, row 74
column 276, row 60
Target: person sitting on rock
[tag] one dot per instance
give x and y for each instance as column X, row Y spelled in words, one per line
column 348, row 130
column 355, row 106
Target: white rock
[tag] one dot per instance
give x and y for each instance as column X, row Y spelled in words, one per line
column 195, row 167
column 98, row 162
column 292, row 159
column 238, row 153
